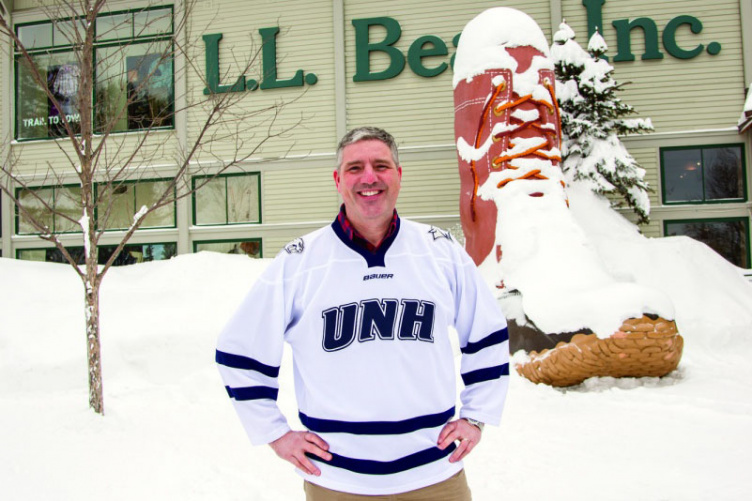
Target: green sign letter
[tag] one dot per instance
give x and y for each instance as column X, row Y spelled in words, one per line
column 212, row 68
column 269, row 52
column 669, row 37
column 455, row 42
column 418, row 50
column 364, row 47
column 594, row 15
column 624, row 29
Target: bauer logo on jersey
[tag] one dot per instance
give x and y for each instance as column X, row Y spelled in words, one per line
column 295, row 247
column 378, row 276
column 385, row 319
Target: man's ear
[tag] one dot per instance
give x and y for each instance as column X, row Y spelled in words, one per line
column 335, row 174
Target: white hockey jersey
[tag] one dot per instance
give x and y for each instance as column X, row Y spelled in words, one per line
column 373, row 364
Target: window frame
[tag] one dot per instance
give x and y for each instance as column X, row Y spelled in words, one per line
column 52, row 49
column 133, row 11
column 96, row 208
column 196, row 243
column 54, row 188
column 80, row 247
column 137, row 182
column 47, row 51
column 19, row 251
column 137, row 244
column 132, row 43
column 225, row 176
column 730, row 219
column 702, row 147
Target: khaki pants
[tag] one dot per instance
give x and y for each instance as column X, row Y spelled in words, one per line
column 452, row 489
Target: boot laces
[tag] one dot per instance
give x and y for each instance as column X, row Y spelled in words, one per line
column 543, row 146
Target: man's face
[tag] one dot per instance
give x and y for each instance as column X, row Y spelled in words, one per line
column 369, row 182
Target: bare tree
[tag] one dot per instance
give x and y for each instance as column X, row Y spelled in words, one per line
column 93, row 164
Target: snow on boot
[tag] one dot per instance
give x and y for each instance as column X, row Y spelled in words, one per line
column 506, row 121
column 518, row 228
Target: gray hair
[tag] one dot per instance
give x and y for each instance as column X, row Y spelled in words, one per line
column 364, row 133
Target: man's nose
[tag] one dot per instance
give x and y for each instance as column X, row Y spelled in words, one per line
column 369, row 175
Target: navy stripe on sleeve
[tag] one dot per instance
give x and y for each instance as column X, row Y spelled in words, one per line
column 376, row 427
column 252, row 393
column 497, row 337
column 486, row 374
column 370, row 467
column 240, row 362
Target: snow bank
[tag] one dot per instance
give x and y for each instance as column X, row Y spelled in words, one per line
column 704, row 288
column 564, row 282
column 170, row 431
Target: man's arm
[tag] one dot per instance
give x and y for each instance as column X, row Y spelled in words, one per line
column 484, row 343
column 249, row 354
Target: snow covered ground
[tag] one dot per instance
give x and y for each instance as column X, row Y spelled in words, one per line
column 170, row 431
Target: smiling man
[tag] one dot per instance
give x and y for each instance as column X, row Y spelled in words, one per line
column 368, row 305
column 368, row 177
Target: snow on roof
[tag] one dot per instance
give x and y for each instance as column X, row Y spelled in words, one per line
column 485, row 38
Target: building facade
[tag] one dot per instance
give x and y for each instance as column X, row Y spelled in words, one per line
column 338, row 64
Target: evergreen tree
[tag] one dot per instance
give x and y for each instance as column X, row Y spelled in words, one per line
column 592, row 118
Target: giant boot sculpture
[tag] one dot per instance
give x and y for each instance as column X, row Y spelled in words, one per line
column 514, row 211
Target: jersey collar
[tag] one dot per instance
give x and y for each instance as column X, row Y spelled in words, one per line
column 373, row 255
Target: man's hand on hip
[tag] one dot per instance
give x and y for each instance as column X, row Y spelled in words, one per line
column 293, row 445
column 460, row 430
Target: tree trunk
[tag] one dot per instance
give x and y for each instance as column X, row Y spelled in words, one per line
column 92, row 280
column 96, row 400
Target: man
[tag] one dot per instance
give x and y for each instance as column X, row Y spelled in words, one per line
column 366, row 305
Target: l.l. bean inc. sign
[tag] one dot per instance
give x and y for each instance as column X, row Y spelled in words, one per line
column 429, row 55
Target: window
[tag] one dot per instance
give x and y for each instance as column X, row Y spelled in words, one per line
column 36, row 115
column 133, row 80
column 58, row 208
column 250, row 247
column 138, row 77
column 131, row 254
column 138, row 253
column 728, row 237
column 126, row 199
column 227, row 199
column 703, row 175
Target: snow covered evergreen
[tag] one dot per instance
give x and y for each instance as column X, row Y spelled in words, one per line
column 592, row 118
